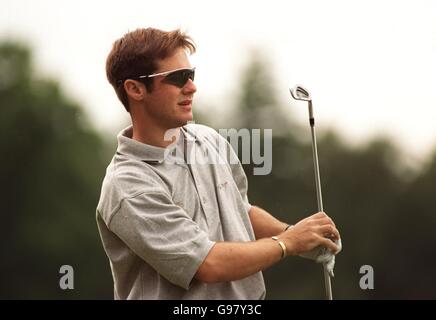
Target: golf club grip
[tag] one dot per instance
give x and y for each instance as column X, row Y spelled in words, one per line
column 327, row 283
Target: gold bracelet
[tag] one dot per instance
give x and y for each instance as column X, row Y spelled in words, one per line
column 282, row 245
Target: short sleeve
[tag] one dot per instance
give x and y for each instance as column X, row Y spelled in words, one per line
column 163, row 235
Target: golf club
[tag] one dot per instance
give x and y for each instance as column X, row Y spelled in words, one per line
column 301, row 94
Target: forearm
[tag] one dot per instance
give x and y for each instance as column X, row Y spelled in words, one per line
column 228, row 261
column 264, row 224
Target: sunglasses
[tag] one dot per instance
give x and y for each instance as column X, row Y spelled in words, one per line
column 177, row 77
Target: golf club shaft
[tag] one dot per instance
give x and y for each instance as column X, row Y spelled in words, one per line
column 328, row 285
column 316, row 169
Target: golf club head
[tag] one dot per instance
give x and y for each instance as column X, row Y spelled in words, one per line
column 300, row 93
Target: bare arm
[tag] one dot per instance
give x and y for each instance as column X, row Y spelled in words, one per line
column 264, row 224
column 228, row 261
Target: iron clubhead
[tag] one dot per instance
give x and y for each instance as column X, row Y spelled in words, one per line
column 300, row 93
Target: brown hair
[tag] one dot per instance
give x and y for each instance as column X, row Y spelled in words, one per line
column 137, row 53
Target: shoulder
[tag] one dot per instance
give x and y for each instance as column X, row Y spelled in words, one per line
column 126, row 178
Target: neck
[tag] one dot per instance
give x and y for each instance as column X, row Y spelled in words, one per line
column 154, row 135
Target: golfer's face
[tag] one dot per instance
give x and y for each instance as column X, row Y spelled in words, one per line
column 169, row 104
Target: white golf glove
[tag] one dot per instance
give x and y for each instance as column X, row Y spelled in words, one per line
column 323, row 255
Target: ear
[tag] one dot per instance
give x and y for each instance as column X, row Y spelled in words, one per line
column 135, row 89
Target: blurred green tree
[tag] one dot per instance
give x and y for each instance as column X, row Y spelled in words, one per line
column 51, row 168
column 257, row 104
column 412, row 245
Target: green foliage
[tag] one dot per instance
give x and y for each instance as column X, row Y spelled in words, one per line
column 52, row 164
column 258, row 104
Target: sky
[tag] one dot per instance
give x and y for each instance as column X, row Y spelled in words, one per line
column 370, row 65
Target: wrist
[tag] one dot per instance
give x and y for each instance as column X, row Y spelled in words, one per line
column 282, row 246
column 288, row 226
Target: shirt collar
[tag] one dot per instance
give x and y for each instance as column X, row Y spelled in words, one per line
column 145, row 152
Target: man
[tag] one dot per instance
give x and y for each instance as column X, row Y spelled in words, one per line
column 174, row 229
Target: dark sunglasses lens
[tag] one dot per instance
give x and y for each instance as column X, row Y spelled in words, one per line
column 179, row 78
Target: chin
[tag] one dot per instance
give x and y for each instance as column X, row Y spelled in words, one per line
column 181, row 122
column 179, row 119
column 187, row 118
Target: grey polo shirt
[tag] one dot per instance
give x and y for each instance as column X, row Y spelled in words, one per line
column 161, row 211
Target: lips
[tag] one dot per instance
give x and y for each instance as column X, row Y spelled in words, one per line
column 185, row 103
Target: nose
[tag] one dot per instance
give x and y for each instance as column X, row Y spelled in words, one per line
column 189, row 88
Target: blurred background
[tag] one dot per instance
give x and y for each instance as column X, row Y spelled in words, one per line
column 369, row 65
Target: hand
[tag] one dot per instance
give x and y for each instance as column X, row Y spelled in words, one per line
column 315, row 231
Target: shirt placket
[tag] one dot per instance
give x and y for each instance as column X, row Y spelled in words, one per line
column 196, row 177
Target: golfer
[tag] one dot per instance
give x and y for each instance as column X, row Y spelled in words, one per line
column 174, row 224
